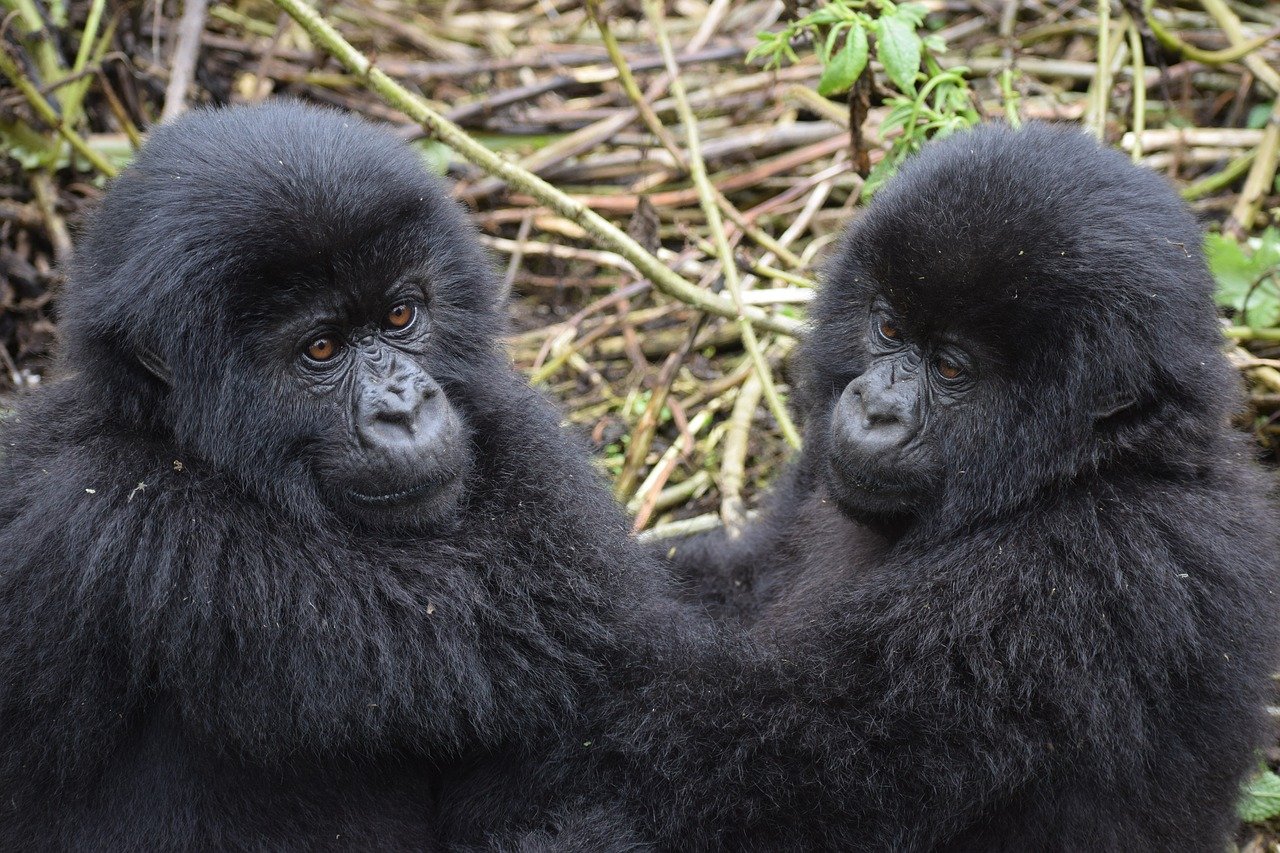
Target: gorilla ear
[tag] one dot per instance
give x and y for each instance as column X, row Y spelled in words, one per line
column 155, row 365
column 1114, row 408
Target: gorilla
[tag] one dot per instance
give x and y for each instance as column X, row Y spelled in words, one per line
column 1019, row 590
column 1024, row 569
column 289, row 538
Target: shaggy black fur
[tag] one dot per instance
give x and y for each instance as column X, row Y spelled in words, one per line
column 1066, row 646
column 196, row 651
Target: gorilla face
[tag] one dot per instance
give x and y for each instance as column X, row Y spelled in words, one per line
column 993, row 328
column 394, row 448
column 885, row 459
column 294, row 301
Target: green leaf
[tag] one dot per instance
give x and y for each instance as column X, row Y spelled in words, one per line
column 830, row 45
column 845, row 66
column 1230, row 267
column 913, row 12
column 935, row 44
column 899, row 51
column 881, row 172
column 900, row 111
column 829, row 14
column 436, row 155
column 1237, row 273
column 1259, row 114
column 767, row 47
column 1268, row 254
column 1261, row 799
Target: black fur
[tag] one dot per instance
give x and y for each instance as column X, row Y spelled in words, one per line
column 195, row 651
column 1068, row 648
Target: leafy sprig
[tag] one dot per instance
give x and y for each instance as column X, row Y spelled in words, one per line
column 926, row 101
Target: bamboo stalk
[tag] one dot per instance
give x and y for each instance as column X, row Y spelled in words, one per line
column 654, row 12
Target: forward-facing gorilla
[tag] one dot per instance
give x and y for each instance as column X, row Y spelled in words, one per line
column 1019, row 591
column 290, row 535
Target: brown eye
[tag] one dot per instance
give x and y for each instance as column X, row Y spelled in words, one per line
column 322, row 349
column 948, row 369
column 889, row 330
column 400, row 316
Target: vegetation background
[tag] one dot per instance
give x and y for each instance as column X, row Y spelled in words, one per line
column 659, row 181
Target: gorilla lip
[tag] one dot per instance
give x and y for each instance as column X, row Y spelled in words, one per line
column 841, row 468
column 871, row 485
column 408, row 495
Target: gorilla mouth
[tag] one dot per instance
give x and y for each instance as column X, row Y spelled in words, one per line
column 406, row 496
column 875, row 485
column 871, row 485
column 873, row 497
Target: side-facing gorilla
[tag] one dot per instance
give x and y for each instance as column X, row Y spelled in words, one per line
column 1019, row 591
column 289, row 535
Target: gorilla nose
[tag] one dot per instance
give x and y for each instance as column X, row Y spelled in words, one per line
column 874, row 419
column 397, row 404
column 878, row 411
column 398, row 415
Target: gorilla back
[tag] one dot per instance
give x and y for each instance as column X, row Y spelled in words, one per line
column 289, row 534
column 1024, row 570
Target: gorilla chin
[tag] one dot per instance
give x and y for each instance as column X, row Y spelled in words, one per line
column 875, row 503
column 431, row 502
column 879, row 497
column 420, row 487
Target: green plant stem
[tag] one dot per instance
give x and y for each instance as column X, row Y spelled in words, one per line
column 1219, row 180
column 1263, row 171
column 681, row 528
column 919, row 105
column 1009, row 95
column 664, row 137
column 49, row 115
column 87, row 36
column 664, row 279
column 1207, row 57
column 1230, row 24
column 1139, row 89
column 1102, row 82
column 50, row 66
column 767, row 271
column 697, row 168
column 72, row 99
column 1248, row 333
column 733, row 459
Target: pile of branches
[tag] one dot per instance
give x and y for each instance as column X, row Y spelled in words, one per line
column 659, row 286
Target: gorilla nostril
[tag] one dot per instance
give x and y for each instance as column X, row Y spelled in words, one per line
column 877, row 411
column 395, row 407
column 881, row 417
column 399, row 416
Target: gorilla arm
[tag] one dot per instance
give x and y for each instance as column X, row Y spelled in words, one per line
column 723, row 571
column 736, row 577
column 67, row 546
column 904, row 703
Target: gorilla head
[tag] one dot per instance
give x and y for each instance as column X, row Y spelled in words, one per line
column 999, row 322
column 291, row 292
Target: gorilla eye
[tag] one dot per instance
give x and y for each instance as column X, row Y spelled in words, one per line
column 889, row 330
column 322, row 349
column 401, row 316
column 948, row 369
